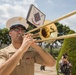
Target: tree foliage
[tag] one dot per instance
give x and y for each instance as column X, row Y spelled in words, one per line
column 62, row 29
column 69, row 47
column 4, row 37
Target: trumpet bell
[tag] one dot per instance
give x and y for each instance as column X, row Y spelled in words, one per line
column 49, row 31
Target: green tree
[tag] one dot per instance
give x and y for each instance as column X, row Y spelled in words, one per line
column 69, row 47
column 62, row 29
column 4, row 36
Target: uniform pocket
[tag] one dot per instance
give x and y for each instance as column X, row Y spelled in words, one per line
column 29, row 60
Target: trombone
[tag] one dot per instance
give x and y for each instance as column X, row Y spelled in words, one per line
column 58, row 38
column 48, row 31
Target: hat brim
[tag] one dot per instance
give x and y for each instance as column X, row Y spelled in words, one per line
column 16, row 20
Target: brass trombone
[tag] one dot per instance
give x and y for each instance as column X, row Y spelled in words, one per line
column 48, row 31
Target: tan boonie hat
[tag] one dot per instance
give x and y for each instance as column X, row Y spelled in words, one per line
column 16, row 20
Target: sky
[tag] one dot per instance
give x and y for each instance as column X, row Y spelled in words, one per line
column 53, row 9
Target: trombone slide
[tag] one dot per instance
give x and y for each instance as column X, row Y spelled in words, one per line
column 58, row 38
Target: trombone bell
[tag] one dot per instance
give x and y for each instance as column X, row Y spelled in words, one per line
column 49, row 31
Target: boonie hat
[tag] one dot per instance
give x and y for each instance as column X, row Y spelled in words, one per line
column 16, row 20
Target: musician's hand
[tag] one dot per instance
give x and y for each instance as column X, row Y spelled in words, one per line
column 27, row 41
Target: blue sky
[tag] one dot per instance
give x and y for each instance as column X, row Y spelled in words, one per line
column 53, row 9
